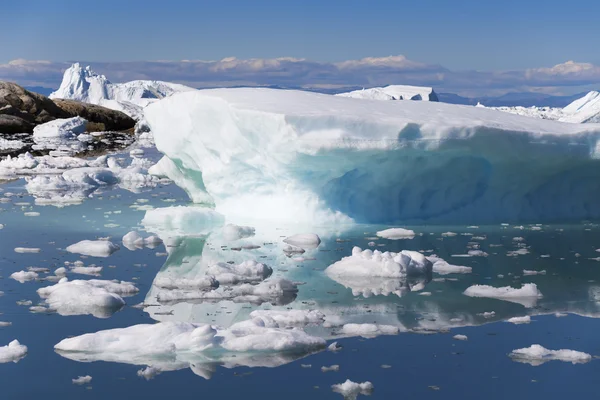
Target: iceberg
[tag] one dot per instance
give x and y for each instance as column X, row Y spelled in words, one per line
column 298, row 157
column 394, row 92
column 83, row 84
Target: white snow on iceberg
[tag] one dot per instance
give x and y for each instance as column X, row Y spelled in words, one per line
column 263, row 154
column 394, row 92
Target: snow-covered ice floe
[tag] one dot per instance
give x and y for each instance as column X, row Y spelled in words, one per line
column 12, row 352
column 537, row 355
column 265, row 154
column 94, row 248
column 99, row 298
column 350, row 390
column 396, row 234
column 260, row 341
column 527, row 295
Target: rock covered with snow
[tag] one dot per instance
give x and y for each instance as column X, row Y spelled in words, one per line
column 394, row 92
column 264, row 154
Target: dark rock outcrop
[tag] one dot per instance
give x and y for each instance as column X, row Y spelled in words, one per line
column 21, row 110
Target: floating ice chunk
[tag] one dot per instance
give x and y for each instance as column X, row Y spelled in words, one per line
column 331, row 368
column 96, row 297
column 82, row 380
column 247, row 271
column 182, row 220
column 289, row 318
column 487, row 314
column 369, row 330
column 396, row 234
column 235, row 232
column 93, row 248
column 133, row 240
column 444, row 268
column 334, row 347
column 530, row 272
column 148, row 373
column 520, row 252
column 350, row 390
column 11, row 144
column 24, row 276
column 519, row 320
column 13, row 352
column 449, row 234
column 27, row 250
column 370, row 263
column 91, row 270
column 460, row 337
column 527, row 295
column 264, row 334
column 61, row 128
column 290, row 250
column 306, row 240
column 152, row 241
column 4, row 324
column 537, row 355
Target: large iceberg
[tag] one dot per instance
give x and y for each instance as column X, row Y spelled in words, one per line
column 394, row 92
column 83, row 84
column 295, row 156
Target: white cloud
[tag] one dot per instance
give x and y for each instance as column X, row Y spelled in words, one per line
column 298, row 72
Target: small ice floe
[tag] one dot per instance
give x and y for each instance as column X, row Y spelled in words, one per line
column 331, row 368
column 233, row 232
column 368, row 330
column 519, row 320
column 396, row 234
column 4, row 324
column 305, row 241
column 449, row 234
column 537, row 355
column 527, row 272
column 487, row 314
column 333, row 347
column 93, row 248
column 518, row 239
column 148, row 373
column 350, row 390
column 133, row 241
column 24, row 302
column 291, row 318
column 13, row 352
column 31, row 214
column 460, row 337
column 527, row 295
column 369, row 263
column 82, row 380
column 290, row 250
column 24, row 276
column 244, row 272
column 519, row 252
column 442, row 267
column 82, row 270
column 100, row 298
column 27, row 250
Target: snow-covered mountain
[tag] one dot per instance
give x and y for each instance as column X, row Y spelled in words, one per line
column 583, row 110
column 394, row 92
column 85, row 85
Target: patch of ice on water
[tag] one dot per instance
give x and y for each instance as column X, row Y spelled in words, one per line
column 396, row 234
column 94, row 248
column 350, row 390
column 527, row 295
column 13, row 352
column 537, row 355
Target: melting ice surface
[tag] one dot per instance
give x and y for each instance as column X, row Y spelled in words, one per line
column 231, row 310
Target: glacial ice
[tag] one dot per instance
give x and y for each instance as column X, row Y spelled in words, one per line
column 235, row 232
column 350, row 390
column 305, row 241
column 12, row 352
column 393, row 92
column 82, row 380
column 60, row 128
column 519, row 320
column 536, row 355
column 85, row 85
column 527, row 295
column 291, row 156
column 396, row 233
column 93, row 248
column 182, row 220
column 96, row 297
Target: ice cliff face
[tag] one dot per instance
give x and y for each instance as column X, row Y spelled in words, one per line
column 302, row 157
column 394, row 92
column 85, row 85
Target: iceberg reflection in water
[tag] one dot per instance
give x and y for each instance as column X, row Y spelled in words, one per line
column 247, row 301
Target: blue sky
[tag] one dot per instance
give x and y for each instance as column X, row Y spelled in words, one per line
column 451, row 37
column 464, row 34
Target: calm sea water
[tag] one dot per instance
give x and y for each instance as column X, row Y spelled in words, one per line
column 423, row 361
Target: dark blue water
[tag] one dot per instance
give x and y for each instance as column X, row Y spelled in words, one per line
column 420, row 365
